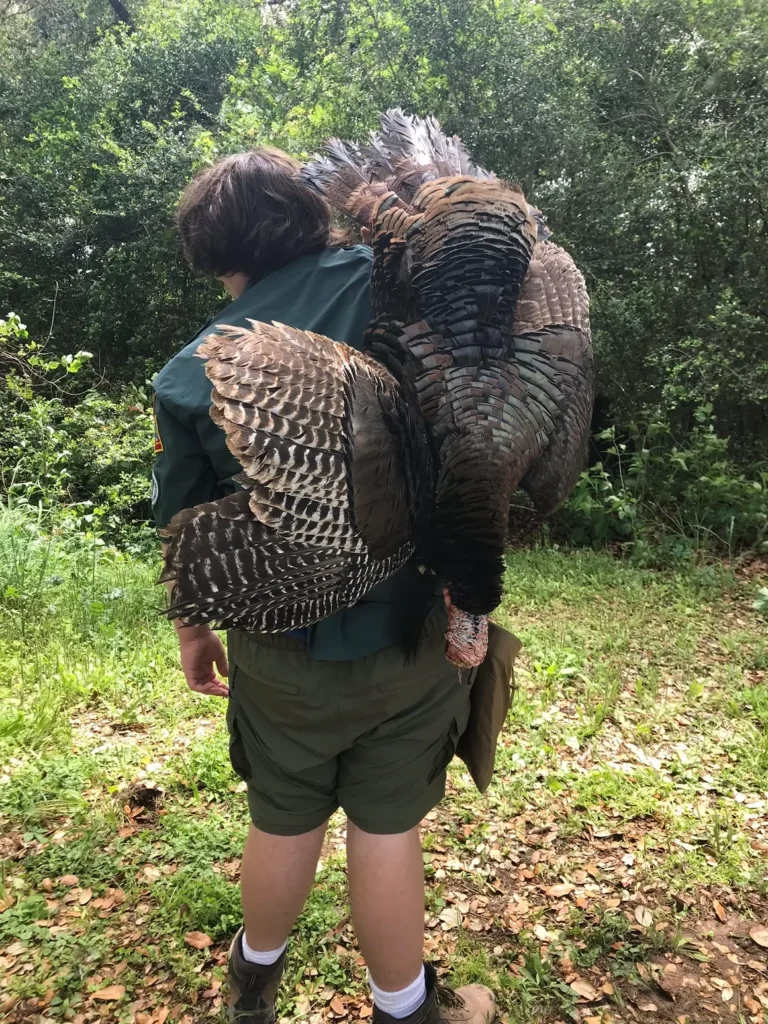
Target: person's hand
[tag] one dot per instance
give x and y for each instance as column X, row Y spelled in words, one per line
column 201, row 649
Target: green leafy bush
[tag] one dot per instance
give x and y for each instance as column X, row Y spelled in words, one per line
column 669, row 495
column 82, row 455
column 639, row 128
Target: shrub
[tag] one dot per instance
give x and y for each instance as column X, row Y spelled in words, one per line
column 679, row 496
column 81, row 455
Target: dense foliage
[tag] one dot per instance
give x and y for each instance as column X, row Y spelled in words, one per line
column 669, row 497
column 639, row 126
column 79, row 456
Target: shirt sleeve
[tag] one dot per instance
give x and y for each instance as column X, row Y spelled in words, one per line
column 183, row 474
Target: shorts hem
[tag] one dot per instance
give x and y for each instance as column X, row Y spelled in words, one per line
column 394, row 828
column 273, row 827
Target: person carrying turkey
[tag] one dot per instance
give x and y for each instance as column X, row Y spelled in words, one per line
column 343, row 512
column 321, row 717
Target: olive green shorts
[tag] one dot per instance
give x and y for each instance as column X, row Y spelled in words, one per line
column 373, row 736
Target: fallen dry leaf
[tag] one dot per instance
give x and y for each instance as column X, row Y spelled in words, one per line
column 68, row 880
column 337, row 1005
column 450, row 918
column 110, row 994
column 585, row 991
column 644, row 917
column 198, row 940
column 759, row 934
column 85, row 897
column 562, row 889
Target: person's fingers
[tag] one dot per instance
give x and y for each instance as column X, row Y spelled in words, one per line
column 222, row 664
column 209, row 688
column 199, row 675
column 216, row 690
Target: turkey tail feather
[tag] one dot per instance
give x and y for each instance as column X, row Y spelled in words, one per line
column 416, row 150
column 387, row 171
column 346, row 180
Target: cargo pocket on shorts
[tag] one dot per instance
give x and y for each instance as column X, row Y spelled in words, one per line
column 445, row 755
column 237, row 753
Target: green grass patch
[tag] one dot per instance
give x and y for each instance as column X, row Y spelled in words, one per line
column 632, row 768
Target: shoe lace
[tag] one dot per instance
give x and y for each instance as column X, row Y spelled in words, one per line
column 447, row 997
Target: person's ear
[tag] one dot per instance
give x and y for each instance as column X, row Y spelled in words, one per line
column 366, row 233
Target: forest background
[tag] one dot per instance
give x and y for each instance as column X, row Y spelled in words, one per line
column 617, row 870
column 640, row 127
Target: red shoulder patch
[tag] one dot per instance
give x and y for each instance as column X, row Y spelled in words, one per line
column 158, row 439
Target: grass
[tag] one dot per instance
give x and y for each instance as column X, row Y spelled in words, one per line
column 631, row 798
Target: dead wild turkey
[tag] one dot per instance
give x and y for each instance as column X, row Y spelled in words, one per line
column 481, row 381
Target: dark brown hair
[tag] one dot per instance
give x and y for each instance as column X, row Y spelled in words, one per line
column 250, row 213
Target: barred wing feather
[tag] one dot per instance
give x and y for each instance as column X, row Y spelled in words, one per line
column 337, row 481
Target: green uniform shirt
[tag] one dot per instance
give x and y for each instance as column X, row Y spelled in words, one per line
column 328, row 293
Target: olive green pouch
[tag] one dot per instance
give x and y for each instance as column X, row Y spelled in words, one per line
column 492, row 691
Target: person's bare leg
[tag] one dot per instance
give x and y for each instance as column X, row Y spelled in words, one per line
column 275, row 879
column 386, row 889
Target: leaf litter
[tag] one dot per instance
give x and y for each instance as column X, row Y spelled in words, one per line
column 610, row 877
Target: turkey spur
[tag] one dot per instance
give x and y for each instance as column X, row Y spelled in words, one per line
column 476, row 378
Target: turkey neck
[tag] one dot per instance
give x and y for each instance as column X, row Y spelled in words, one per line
column 468, row 260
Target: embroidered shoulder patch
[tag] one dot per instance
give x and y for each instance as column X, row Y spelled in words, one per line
column 158, row 439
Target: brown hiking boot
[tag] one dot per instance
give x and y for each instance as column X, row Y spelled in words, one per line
column 252, row 988
column 473, row 1004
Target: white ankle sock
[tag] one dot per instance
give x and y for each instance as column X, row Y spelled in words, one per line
column 254, row 956
column 403, row 1003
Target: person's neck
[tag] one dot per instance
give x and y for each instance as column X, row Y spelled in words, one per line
column 235, row 283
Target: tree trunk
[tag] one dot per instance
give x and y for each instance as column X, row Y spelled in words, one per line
column 122, row 12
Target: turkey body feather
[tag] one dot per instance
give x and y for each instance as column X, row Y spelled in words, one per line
column 478, row 378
